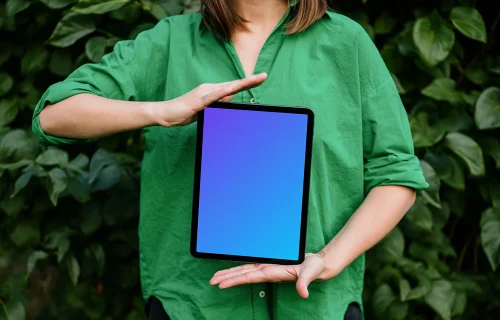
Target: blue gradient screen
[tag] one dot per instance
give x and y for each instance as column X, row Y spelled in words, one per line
column 251, row 183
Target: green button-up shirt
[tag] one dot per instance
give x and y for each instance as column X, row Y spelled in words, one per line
column 362, row 140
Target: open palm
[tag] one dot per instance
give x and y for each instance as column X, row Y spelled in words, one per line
column 311, row 269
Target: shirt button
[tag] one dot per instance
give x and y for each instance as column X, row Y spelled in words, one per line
column 262, row 294
column 252, row 101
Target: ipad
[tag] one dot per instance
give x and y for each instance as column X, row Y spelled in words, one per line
column 251, row 187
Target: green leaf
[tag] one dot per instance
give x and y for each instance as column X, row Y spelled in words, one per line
column 469, row 22
column 14, row 7
column 53, row 157
column 448, row 169
column 398, row 310
column 15, row 165
column 58, row 184
column 15, row 310
column 424, row 135
column 128, row 13
column 440, row 216
column 140, row 28
column 8, row 110
column 24, row 234
column 100, row 257
column 73, row 269
column 25, row 178
column 443, row 89
column 35, row 60
column 492, row 147
column 95, row 48
column 493, row 64
column 398, row 84
column 468, row 150
column 490, row 236
column 79, row 187
column 108, row 177
column 12, row 205
column 193, row 6
column 33, row 259
column 487, row 114
column 363, row 19
column 407, row 293
column 465, row 283
column 425, row 253
column 441, row 298
column 404, row 289
column 404, row 41
column 433, row 38
column 90, row 214
column 459, row 304
column 6, row 83
column 382, row 299
column 391, row 248
column 57, row 4
column 6, row 51
column 471, row 97
column 477, row 75
column 104, row 170
column 494, row 193
column 431, row 194
column 61, row 63
column 392, row 58
column 441, row 70
column 163, row 8
column 81, row 161
column 98, row 6
column 420, row 215
column 62, row 249
column 70, row 29
column 384, row 24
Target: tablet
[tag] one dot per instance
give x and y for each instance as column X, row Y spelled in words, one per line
column 251, row 187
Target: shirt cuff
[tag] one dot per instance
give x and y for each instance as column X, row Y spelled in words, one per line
column 395, row 169
column 54, row 94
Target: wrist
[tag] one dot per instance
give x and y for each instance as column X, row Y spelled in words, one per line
column 333, row 263
column 150, row 111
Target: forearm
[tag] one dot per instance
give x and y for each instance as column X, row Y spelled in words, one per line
column 87, row 116
column 381, row 211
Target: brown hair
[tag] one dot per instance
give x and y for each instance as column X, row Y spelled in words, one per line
column 220, row 17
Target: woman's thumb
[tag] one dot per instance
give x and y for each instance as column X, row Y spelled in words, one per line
column 305, row 278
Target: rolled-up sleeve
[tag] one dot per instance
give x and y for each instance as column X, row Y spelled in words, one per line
column 388, row 149
column 123, row 74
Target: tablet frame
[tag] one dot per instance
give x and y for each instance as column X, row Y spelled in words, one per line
column 305, row 190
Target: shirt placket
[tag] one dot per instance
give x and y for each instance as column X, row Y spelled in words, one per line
column 264, row 61
column 261, row 301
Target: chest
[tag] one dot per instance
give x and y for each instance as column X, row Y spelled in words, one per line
column 247, row 47
column 300, row 73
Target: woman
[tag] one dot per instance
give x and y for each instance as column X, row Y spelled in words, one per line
column 364, row 173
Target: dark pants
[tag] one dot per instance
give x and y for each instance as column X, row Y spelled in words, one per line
column 155, row 311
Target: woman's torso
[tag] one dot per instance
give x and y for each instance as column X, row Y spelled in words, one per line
column 316, row 69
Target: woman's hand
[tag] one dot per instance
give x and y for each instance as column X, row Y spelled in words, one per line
column 312, row 269
column 183, row 110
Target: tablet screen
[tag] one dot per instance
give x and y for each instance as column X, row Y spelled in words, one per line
column 251, row 183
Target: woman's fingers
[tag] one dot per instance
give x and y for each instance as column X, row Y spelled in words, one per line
column 226, row 98
column 216, row 279
column 247, row 83
column 227, row 89
column 245, row 266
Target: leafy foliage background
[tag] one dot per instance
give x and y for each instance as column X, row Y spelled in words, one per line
column 68, row 216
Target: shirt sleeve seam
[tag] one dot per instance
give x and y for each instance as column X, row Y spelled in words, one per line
column 362, row 91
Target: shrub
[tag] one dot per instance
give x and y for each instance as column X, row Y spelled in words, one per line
column 68, row 216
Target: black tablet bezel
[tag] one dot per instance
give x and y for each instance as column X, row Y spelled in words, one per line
column 306, row 185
